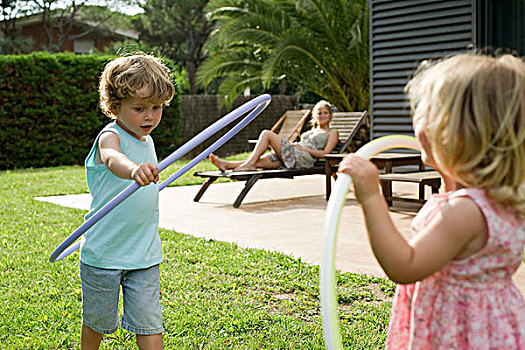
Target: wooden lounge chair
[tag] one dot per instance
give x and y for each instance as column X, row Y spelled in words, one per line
column 347, row 123
column 429, row 178
column 289, row 126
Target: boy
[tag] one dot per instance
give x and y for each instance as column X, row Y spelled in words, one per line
column 124, row 248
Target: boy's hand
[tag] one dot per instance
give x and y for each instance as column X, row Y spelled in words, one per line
column 365, row 176
column 145, row 173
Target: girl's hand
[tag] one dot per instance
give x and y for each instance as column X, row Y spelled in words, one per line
column 365, row 176
column 145, row 173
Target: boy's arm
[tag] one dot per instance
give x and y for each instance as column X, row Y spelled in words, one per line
column 120, row 165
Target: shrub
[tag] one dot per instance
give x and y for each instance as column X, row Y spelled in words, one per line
column 50, row 114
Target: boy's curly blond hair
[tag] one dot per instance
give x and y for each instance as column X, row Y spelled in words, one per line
column 472, row 108
column 127, row 76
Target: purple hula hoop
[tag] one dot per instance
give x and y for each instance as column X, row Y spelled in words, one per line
column 256, row 106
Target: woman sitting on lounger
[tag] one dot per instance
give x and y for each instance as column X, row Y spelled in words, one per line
column 314, row 144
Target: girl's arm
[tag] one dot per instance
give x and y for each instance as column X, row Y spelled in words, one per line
column 456, row 232
column 120, row 165
column 331, row 141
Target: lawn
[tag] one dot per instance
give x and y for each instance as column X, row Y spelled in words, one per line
column 214, row 295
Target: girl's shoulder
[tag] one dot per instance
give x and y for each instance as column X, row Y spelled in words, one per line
column 497, row 217
column 477, row 195
column 474, row 194
column 454, row 203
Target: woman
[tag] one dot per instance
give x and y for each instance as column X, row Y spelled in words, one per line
column 314, row 144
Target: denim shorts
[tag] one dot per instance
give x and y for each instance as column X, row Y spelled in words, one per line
column 142, row 313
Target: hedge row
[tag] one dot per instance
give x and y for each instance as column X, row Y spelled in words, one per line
column 49, row 112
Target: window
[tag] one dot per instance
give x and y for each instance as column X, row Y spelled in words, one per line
column 83, row 46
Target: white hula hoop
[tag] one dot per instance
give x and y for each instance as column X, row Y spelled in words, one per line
column 330, row 318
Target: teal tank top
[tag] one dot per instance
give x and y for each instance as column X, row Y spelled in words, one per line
column 127, row 237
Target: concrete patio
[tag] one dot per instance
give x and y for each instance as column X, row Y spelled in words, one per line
column 277, row 215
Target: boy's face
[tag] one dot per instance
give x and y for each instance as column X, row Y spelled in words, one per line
column 138, row 116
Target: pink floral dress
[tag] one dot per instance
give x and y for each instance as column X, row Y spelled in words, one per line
column 470, row 303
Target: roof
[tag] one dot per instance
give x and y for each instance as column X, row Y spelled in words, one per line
column 37, row 18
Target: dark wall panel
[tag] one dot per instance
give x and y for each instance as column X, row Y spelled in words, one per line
column 402, row 34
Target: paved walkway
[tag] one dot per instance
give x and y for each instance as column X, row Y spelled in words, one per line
column 278, row 215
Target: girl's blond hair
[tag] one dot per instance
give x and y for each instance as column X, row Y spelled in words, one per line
column 126, row 76
column 472, row 108
column 315, row 111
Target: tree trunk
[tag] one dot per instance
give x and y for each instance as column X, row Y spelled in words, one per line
column 282, row 87
column 192, row 72
column 190, row 62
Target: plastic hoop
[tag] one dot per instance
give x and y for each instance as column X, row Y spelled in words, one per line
column 327, row 284
column 256, row 106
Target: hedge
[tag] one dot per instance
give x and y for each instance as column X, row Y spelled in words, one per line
column 49, row 112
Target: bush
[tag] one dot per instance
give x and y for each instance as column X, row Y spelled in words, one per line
column 50, row 114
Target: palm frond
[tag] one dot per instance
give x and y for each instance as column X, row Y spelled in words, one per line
column 239, row 61
column 257, row 22
column 233, row 85
column 317, row 44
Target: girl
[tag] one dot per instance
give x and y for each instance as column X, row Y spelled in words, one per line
column 455, row 273
column 314, row 144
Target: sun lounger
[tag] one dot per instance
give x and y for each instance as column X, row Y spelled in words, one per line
column 289, row 126
column 347, row 123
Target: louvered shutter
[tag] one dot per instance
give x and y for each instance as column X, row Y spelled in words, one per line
column 402, row 34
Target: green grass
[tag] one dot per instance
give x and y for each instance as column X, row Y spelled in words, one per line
column 214, row 295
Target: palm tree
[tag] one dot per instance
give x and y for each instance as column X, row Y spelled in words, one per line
column 318, row 45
